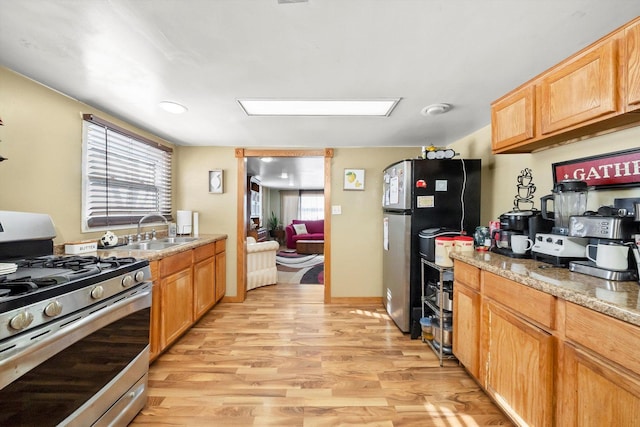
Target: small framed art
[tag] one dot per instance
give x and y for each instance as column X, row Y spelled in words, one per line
column 354, row 179
column 216, row 181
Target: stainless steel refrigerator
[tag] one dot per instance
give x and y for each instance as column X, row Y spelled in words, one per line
column 420, row 194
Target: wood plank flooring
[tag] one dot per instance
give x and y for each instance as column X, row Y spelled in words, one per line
column 283, row 358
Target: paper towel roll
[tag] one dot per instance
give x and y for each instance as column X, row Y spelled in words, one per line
column 184, row 222
column 196, row 217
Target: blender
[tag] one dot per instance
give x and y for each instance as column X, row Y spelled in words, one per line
column 569, row 198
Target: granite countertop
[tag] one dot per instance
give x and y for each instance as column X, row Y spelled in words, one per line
column 614, row 298
column 159, row 254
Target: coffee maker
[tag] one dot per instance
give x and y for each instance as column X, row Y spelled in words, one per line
column 558, row 247
column 611, row 251
column 527, row 223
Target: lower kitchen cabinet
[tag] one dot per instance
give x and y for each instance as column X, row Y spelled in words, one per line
column 595, row 392
column 185, row 286
column 466, row 316
column 518, row 366
column 176, row 297
column 221, row 269
column 204, row 279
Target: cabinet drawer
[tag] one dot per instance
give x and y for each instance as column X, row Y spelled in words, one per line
column 174, row 263
column 466, row 274
column 203, row 252
column 612, row 338
column 535, row 305
column 220, row 246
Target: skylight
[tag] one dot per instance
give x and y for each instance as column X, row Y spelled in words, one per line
column 318, row 107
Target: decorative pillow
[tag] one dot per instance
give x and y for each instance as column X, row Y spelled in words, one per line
column 300, row 228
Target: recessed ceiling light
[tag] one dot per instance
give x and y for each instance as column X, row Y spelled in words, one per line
column 435, row 109
column 267, row 159
column 173, row 107
column 318, row 107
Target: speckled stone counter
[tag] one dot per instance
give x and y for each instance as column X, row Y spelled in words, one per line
column 616, row 299
column 155, row 255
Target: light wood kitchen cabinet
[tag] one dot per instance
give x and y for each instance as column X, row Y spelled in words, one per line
column 221, row 269
column 580, row 90
column 517, row 350
column 176, row 295
column 632, row 60
column 595, row 392
column 466, row 316
column 512, row 118
column 517, row 369
column 590, row 93
column 204, row 279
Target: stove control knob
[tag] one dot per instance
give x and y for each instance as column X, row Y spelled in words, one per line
column 127, row 281
column 53, row 309
column 97, row 292
column 139, row 276
column 21, row 320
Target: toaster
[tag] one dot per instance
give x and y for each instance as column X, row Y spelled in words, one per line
column 602, row 227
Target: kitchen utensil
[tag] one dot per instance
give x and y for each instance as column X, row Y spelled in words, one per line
column 569, row 198
column 611, row 256
column 520, row 243
column 463, row 244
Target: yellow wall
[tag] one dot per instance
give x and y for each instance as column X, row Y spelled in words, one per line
column 500, row 171
column 42, row 138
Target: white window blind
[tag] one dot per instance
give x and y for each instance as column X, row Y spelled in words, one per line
column 125, row 176
column 311, row 205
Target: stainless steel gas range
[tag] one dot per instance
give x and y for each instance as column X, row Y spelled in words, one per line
column 74, row 331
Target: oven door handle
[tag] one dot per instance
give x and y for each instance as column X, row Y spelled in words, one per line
column 56, row 336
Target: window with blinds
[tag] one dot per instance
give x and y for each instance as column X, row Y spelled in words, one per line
column 125, row 176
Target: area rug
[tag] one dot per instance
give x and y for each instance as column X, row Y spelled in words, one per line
column 294, row 268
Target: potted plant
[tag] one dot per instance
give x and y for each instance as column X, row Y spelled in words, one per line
column 272, row 224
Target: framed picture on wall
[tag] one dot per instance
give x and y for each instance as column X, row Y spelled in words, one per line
column 354, row 179
column 215, row 181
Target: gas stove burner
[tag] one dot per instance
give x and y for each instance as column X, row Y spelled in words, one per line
column 16, row 287
column 75, row 263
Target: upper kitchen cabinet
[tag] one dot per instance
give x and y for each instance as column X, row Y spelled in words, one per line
column 512, row 118
column 588, row 94
column 632, row 56
column 580, row 90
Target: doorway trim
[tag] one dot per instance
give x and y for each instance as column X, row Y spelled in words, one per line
column 241, row 228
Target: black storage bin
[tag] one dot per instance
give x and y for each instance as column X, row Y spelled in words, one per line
column 428, row 240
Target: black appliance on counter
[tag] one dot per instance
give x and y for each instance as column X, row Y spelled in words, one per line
column 74, row 330
column 526, row 222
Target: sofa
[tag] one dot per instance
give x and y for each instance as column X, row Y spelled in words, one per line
column 314, row 231
column 261, row 263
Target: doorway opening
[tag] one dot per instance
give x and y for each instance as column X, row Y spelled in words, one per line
column 244, row 219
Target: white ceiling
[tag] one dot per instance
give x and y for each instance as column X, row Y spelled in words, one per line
column 124, row 57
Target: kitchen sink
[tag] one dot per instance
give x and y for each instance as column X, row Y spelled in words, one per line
column 154, row 245
column 177, row 239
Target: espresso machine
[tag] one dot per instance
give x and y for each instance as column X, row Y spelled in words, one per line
column 558, row 247
column 527, row 223
column 612, row 252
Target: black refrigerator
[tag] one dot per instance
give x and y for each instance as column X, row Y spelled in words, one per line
column 420, row 194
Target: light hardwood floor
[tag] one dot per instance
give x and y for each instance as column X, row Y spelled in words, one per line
column 283, row 358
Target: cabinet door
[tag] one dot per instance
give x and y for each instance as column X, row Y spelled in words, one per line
column 595, row 393
column 466, row 326
column 512, row 119
column 177, row 305
column 221, row 275
column 632, row 55
column 204, row 280
column 580, row 90
column 517, row 366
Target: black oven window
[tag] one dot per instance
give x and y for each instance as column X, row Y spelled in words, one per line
column 52, row 391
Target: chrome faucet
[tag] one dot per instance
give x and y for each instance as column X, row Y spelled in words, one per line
column 151, row 215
